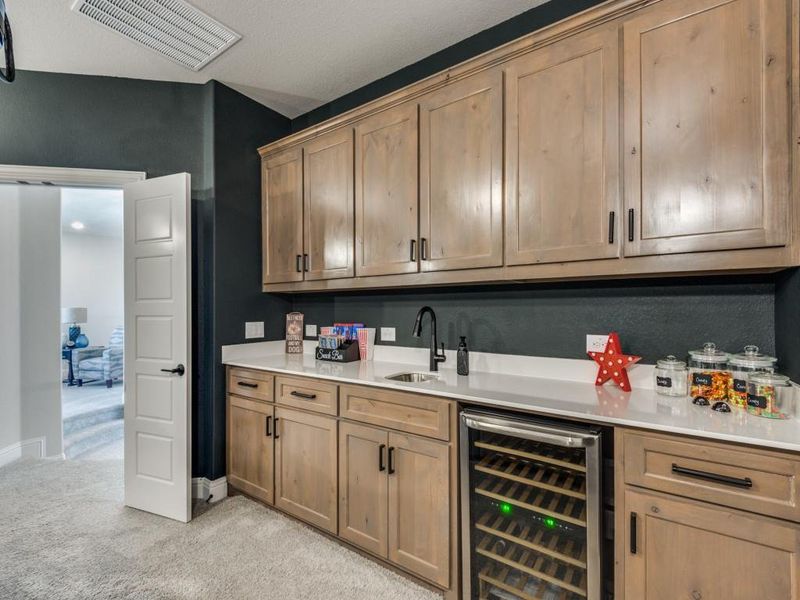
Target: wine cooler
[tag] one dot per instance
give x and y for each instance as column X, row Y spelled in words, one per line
column 530, row 498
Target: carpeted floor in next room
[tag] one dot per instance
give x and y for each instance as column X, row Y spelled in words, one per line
column 65, row 534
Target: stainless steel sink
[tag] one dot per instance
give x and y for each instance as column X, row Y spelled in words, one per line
column 413, row 377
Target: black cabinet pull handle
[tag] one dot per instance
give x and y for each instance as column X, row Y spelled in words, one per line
column 268, row 432
column 611, row 222
column 302, row 395
column 391, row 460
column 306, row 262
column 424, row 248
column 630, row 224
column 247, row 385
column 297, row 263
column 381, row 465
column 276, row 427
column 633, row 533
column 413, row 256
column 744, row 482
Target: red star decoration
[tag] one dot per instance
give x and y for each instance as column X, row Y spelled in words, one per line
column 613, row 363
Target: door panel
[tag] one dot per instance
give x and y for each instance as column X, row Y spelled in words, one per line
column 685, row 549
column 363, row 488
column 328, row 205
column 305, row 466
column 461, row 170
column 562, row 131
column 419, row 506
column 250, row 447
column 282, row 216
column 158, row 338
column 706, row 118
column 387, row 192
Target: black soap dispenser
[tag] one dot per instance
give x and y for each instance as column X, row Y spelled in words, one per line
column 462, row 357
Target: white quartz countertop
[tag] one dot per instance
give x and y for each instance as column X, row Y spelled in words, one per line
column 608, row 405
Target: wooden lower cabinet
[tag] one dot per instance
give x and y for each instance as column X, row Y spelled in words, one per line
column 676, row 548
column 250, row 459
column 305, row 467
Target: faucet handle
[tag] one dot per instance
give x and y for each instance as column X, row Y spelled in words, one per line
column 441, row 357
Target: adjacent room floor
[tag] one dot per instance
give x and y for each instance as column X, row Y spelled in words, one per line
column 65, row 534
column 93, row 421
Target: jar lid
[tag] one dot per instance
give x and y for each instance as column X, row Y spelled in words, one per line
column 752, row 358
column 766, row 378
column 709, row 353
column 670, row 363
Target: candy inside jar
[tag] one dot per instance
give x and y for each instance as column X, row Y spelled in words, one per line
column 708, row 377
column 742, row 366
column 771, row 396
column 670, row 377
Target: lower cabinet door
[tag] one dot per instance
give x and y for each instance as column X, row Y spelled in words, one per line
column 678, row 548
column 305, row 466
column 250, row 447
column 419, row 506
column 363, row 487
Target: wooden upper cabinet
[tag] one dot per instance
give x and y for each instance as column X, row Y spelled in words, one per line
column 706, row 106
column 461, row 170
column 387, row 192
column 686, row 549
column 328, row 205
column 282, row 216
column 562, row 151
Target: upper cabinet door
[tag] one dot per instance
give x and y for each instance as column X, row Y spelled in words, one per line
column 461, row 169
column 707, row 138
column 282, row 216
column 328, row 205
column 387, row 192
column 562, row 151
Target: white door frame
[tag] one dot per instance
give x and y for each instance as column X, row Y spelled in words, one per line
column 60, row 177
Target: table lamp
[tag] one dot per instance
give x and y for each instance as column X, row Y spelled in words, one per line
column 72, row 316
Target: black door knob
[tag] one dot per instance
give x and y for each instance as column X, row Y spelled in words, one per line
column 180, row 370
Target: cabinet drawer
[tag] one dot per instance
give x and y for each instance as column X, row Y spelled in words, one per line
column 751, row 479
column 250, row 384
column 411, row 413
column 308, row 394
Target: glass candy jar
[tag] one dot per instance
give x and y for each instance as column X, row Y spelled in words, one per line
column 742, row 366
column 670, row 377
column 708, row 377
column 770, row 395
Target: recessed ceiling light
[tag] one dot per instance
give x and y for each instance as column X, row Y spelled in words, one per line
column 77, row 225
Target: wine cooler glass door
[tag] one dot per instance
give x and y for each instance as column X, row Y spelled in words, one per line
column 530, row 506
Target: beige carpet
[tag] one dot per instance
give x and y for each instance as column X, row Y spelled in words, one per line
column 65, row 534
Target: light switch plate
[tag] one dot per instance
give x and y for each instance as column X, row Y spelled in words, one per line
column 254, row 329
column 311, row 331
column 387, row 334
column 596, row 343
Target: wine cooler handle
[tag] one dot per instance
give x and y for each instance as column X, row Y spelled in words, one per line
column 633, row 533
column 529, row 431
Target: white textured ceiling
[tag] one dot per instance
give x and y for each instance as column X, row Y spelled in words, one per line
column 295, row 55
column 99, row 210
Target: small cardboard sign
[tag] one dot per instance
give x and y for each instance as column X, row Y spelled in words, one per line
column 294, row 333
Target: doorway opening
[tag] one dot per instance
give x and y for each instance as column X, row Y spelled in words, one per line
column 92, row 323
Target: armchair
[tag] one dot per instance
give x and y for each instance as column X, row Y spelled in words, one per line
column 100, row 364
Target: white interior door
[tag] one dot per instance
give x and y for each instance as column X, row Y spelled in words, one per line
column 158, row 346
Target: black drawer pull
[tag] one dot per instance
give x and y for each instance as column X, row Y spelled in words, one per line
column 631, row 222
column 302, row 395
column 611, row 222
column 633, row 533
column 391, row 460
column 276, row 427
column 381, row 464
column 744, row 482
column 297, row 265
column 424, row 248
column 268, row 433
column 247, row 385
column 306, row 262
column 413, row 257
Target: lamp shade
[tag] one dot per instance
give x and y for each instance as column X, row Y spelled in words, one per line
column 75, row 314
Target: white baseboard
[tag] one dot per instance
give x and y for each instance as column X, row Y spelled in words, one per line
column 203, row 488
column 33, row 448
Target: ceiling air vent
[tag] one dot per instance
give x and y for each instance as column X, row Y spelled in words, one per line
column 173, row 28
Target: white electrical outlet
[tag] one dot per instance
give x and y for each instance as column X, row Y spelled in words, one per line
column 387, row 334
column 254, row 329
column 596, row 343
column 311, row 331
